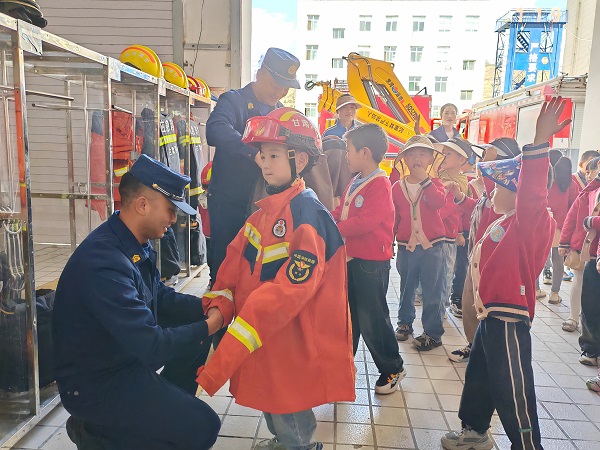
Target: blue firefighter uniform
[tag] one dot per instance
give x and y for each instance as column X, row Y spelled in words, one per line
column 115, row 324
column 338, row 129
column 234, row 173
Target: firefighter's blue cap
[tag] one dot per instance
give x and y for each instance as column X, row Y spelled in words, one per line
column 282, row 66
column 159, row 177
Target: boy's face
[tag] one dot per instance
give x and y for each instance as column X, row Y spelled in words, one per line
column 591, row 174
column 452, row 160
column 583, row 165
column 418, row 157
column 503, row 200
column 276, row 169
column 356, row 158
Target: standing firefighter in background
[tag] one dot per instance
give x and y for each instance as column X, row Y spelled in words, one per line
column 235, row 168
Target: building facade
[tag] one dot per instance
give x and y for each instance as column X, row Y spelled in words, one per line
column 439, row 45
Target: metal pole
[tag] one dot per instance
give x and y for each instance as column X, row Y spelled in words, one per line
column 70, row 170
column 86, row 134
column 7, row 137
column 26, row 218
column 108, row 146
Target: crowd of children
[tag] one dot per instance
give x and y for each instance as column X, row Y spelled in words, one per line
column 300, row 285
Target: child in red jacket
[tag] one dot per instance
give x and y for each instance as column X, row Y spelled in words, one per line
column 419, row 232
column 505, row 264
column 365, row 218
column 571, row 241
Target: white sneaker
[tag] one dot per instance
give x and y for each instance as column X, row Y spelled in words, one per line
column 588, row 359
column 539, row 294
column 467, row 439
column 554, row 298
column 388, row 383
column 269, row 444
column 570, row 325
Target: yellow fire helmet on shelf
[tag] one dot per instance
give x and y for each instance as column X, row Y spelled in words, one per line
column 174, row 74
column 202, row 88
column 143, row 58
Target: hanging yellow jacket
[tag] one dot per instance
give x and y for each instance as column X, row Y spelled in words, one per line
column 284, row 278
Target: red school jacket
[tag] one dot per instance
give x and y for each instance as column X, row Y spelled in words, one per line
column 431, row 200
column 515, row 250
column 365, row 219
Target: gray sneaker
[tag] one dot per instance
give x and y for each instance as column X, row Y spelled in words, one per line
column 269, row 444
column 467, row 439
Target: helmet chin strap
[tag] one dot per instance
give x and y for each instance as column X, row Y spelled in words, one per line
column 272, row 190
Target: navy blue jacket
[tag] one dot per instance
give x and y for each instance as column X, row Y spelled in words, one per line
column 107, row 301
column 337, row 130
column 440, row 134
column 234, row 171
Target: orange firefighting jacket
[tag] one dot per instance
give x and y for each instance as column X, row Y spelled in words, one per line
column 284, row 279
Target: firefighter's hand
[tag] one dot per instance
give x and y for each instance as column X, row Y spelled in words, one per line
column 419, row 172
column 460, row 240
column 417, row 128
column 547, row 123
column 563, row 251
column 491, row 153
column 214, row 320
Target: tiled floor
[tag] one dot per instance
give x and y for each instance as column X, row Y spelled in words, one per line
column 426, row 406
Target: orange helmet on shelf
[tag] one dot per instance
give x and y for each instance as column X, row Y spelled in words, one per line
column 194, row 85
column 199, row 87
column 174, row 74
column 143, row 58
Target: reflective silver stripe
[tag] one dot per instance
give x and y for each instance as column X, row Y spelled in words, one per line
column 246, row 335
column 224, row 293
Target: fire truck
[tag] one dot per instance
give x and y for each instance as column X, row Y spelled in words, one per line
column 514, row 114
column 384, row 101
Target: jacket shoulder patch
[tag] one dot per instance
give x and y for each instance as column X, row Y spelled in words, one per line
column 301, row 266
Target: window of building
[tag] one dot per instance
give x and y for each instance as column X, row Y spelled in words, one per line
column 414, row 84
column 416, row 53
column 472, row 24
column 391, row 23
column 418, row 23
column 440, row 84
column 310, row 110
column 389, row 53
column 435, row 111
column 523, row 41
column 547, row 41
column 337, row 63
column 468, row 64
column 445, row 22
column 365, row 23
column 466, row 95
column 312, row 22
column 311, row 77
column 364, row 50
column 311, row 52
column 338, row 33
column 442, row 54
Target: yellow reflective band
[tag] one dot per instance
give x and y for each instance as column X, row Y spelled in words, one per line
column 196, row 140
column 275, row 252
column 196, row 191
column 224, row 293
column 168, row 139
column 253, row 237
column 245, row 333
column 121, row 172
column 184, row 139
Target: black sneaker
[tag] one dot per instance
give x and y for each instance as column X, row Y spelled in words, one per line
column 547, row 276
column 403, row 331
column 83, row 439
column 425, row 343
column 460, row 354
column 388, row 383
column 588, row 359
column 455, row 310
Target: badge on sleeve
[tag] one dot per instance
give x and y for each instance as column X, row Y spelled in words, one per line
column 358, row 202
column 301, row 266
column 135, row 258
column 497, row 233
column 279, row 228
